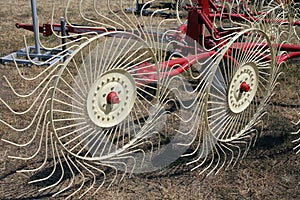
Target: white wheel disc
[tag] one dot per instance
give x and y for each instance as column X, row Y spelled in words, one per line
column 119, row 83
column 238, row 99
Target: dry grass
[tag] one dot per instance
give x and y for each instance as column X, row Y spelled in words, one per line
column 270, row 170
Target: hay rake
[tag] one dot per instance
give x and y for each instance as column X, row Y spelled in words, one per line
column 136, row 96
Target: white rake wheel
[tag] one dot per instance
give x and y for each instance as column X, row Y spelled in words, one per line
column 82, row 130
column 102, row 99
column 241, row 85
column 80, row 145
column 91, row 113
column 242, row 82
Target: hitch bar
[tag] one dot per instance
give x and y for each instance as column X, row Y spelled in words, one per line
column 46, row 29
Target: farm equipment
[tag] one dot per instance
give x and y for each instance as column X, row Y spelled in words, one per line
column 109, row 104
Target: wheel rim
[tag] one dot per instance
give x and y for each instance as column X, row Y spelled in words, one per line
column 241, row 85
column 104, row 95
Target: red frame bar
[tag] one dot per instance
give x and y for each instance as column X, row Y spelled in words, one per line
column 46, row 29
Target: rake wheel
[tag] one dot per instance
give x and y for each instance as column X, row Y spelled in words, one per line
column 103, row 96
column 241, row 85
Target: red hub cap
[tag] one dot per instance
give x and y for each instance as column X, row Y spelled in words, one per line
column 244, row 87
column 112, row 98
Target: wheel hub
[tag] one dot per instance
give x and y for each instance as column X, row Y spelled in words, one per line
column 111, row 98
column 243, row 87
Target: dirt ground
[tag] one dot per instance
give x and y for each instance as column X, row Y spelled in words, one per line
column 270, row 170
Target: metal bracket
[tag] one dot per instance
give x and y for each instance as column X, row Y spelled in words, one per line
column 35, row 54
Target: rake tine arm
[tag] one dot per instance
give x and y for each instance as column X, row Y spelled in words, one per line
column 29, row 27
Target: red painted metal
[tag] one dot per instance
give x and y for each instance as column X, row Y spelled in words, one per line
column 200, row 18
column 244, row 87
column 180, row 65
column 112, row 98
column 46, row 29
column 213, row 6
column 204, row 6
column 193, row 28
column 147, row 72
column 287, row 56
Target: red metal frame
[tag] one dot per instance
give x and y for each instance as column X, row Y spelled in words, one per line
column 200, row 18
column 47, row 29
